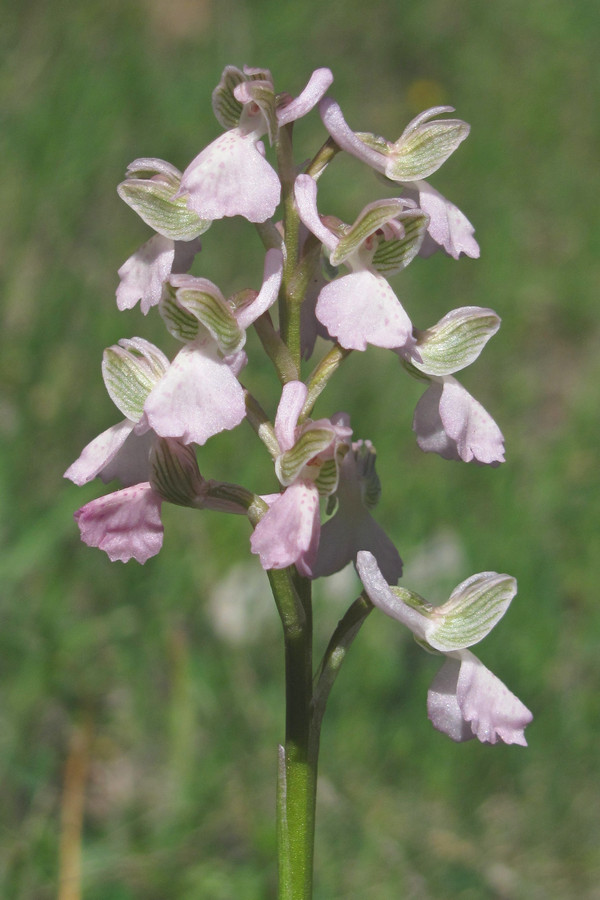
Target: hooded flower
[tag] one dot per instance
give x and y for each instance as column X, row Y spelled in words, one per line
column 352, row 527
column 448, row 420
column 307, row 467
column 149, row 188
column 465, row 699
column 361, row 307
column 126, row 524
column 200, row 394
column 231, row 177
column 423, row 147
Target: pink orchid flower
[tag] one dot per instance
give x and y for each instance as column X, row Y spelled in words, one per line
column 288, row 533
column 231, row 177
column 420, row 151
column 447, row 419
column 465, row 699
column 361, row 308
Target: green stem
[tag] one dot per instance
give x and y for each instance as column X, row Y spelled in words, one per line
column 341, row 639
column 320, row 376
column 289, row 302
column 298, row 758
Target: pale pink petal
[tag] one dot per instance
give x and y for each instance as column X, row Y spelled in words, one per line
column 448, row 226
column 317, row 85
column 360, row 309
column 273, row 271
column 99, row 452
column 125, row 524
column 465, row 691
column 130, row 465
column 288, row 534
column 334, row 122
column 305, row 192
column 142, row 275
column 381, row 595
column 198, row 397
column 449, row 421
column 231, row 177
column 293, row 397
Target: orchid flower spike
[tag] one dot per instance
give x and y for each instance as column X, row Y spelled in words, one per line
column 447, row 419
column 307, row 467
column 465, row 699
column 423, row 147
column 231, row 177
column 361, row 308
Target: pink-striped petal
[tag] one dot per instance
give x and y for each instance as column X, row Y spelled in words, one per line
column 125, row 524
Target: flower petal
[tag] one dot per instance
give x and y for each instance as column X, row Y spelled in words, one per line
column 467, row 700
column 382, row 596
column 142, row 275
column 360, row 309
column 305, row 192
column 288, row 533
column 449, row 421
column 448, row 226
column 318, row 83
column 197, row 398
column 125, row 524
column 231, row 177
column 352, row 528
column 334, row 122
column 99, row 452
column 293, row 397
column 272, row 275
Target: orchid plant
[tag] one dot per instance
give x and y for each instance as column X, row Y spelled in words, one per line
column 328, row 281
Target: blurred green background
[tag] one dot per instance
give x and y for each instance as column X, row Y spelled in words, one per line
column 154, row 695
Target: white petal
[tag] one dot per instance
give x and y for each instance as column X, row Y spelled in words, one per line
column 231, row 178
column 142, row 275
column 197, row 398
column 99, row 453
column 360, row 309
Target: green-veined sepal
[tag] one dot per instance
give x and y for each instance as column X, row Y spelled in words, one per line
column 373, row 217
column 130, row 370
column 391, row 256
column 310, row 443
column 149, row 189
column 174, row 473
column 473, row 609
column 329, row 474
column 455, row 341
column 424, row 146
column 187, row 298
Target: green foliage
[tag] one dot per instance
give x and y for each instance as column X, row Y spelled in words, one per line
column 186, row 713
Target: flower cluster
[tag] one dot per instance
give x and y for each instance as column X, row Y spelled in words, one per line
column 329, row 280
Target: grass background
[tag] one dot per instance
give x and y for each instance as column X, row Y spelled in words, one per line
column 159, row 688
